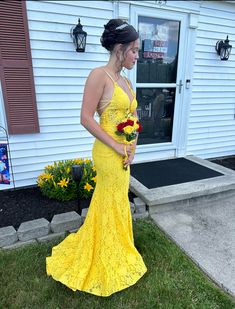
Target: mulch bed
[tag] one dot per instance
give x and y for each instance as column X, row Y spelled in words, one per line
column 226, row 162
column 20, row 205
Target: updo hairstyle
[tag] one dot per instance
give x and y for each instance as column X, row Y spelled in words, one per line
column 117, row 31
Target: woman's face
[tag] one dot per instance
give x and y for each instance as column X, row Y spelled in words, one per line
column 131, row 55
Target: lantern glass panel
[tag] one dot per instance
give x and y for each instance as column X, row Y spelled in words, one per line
column 81, row 42
column 224, row 53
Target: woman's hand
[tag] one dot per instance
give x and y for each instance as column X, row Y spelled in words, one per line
column 120, row 149
column 130, row 158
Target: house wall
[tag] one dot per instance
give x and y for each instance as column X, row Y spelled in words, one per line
column 60, row 74
column 211, row 130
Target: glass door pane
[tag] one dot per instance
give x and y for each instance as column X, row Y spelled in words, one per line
column 155, row 111
column 158, row 57
column 156, row 78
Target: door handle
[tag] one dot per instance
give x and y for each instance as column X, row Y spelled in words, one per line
column 180, row 85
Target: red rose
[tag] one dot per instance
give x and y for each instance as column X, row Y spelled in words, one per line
column 129, row 123
column 120, row 126
column 140, row 128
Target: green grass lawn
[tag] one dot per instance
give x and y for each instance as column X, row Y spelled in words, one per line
column 172, row 280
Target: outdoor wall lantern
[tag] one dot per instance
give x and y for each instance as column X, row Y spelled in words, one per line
column 160, row 2
column 79, row 37
column 223, row 49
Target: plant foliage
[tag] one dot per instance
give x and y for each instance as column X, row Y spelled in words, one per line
column 56, row 180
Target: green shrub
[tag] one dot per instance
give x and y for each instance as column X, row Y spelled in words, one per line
column 56, row 180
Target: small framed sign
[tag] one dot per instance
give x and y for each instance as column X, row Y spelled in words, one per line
column 4, row 165
column 6, row 170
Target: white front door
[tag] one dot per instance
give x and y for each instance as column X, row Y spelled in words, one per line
column 159, row 79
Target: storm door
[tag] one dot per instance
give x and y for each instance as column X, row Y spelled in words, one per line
column 158, row 76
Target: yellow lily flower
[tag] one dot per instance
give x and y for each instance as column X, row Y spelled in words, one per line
column 88, row 187
column 94, row 178
column 63, row 183
column 78, row 161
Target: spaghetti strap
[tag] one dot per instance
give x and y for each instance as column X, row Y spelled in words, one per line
column 109, row 76
column 128, row 84
column 104, row 102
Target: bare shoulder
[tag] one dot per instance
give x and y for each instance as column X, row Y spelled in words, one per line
column 98, row 75
column 94, row 87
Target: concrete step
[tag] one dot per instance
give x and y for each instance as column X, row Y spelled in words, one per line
column 187, row 194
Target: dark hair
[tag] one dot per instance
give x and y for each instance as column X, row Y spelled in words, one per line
column 117, row 31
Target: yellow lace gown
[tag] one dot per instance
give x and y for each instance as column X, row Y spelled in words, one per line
column 101, row 257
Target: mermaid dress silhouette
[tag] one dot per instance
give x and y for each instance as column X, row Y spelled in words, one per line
column 101, row 258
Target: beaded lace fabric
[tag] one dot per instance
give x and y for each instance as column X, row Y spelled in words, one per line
column 101, row 257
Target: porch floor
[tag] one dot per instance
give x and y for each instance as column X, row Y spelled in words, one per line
column 171, row 172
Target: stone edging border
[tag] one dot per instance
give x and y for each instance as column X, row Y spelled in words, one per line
column 41, row 230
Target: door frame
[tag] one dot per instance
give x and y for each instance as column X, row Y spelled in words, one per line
column 179, row 120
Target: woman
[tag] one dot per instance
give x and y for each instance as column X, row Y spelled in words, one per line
column 101, row 257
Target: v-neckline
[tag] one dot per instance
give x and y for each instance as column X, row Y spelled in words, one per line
column 116, row 83
column 130, row 100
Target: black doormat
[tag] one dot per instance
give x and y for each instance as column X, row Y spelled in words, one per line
column 170, row 172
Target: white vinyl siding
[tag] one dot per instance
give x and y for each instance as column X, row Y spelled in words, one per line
column 59, row 73
column 211, row 130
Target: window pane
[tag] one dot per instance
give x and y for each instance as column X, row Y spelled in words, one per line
column 155, row 111
column 159, row 40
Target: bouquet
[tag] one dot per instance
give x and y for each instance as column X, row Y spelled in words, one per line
column 129, row 128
